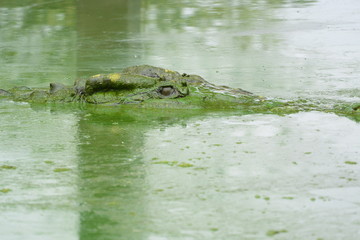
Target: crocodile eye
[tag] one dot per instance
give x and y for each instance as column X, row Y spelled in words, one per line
column 166, row 91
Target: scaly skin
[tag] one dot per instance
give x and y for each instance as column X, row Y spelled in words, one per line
column 152, row 87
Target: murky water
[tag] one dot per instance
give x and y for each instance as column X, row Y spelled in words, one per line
column 92, row 173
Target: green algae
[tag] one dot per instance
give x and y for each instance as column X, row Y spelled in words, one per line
column 351, row 162
column 217, row 145
column 169, row 163
column 288, row 198
column 264, row 197
column 62, row 169
column 272, row 233
column 159, row 190
column 7, row 167
column 5, row 190
column 285, row 110
column 249, row 152
column 348, row 179
column 185, row 165
column 174, row 163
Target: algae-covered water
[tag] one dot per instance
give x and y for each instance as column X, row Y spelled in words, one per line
column 70, row 172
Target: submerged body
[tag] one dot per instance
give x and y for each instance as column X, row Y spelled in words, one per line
column 152, row 87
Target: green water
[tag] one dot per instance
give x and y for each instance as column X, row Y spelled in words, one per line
column 70, row 172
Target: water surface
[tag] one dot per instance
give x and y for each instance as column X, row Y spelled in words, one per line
column 70, row 172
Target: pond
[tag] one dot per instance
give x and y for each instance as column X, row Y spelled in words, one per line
column 97, row 173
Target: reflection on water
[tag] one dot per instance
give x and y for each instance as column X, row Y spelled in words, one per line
column 107, row 35
column 70, row 172
column 111, row 176
column 276, row 48
column 37, row 41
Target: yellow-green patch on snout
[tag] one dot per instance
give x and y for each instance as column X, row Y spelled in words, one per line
column 117, row 81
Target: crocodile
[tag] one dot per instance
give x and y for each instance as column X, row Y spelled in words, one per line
column 147, row 86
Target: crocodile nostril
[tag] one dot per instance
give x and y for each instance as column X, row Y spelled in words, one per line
column 166, row 91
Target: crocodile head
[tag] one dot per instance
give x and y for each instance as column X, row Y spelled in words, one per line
column 134, row 85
